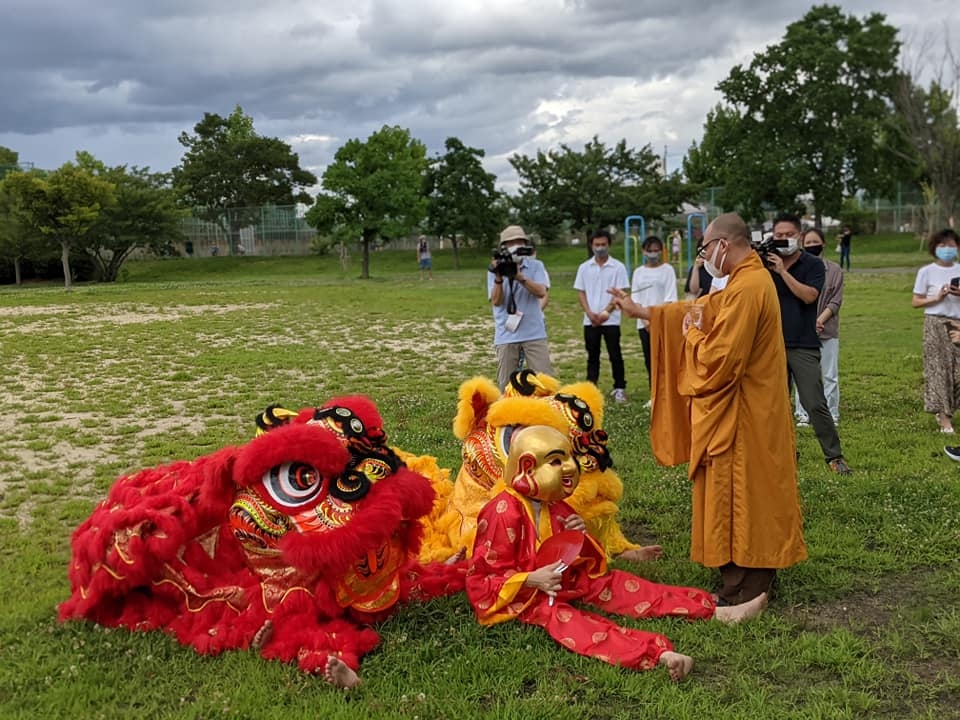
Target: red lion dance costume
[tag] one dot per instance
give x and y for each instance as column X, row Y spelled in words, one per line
column 292, row 544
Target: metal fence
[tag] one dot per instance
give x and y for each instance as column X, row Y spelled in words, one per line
column 266, row 230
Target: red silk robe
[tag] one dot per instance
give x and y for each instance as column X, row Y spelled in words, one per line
column 509, row 533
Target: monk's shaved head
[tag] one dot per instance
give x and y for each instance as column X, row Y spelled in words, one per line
column 730, row 226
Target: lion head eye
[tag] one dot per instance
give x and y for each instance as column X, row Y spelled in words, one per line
column 293, row 485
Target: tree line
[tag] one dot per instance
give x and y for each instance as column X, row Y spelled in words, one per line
column 826, row 113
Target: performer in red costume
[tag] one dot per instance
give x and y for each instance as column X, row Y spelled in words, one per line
column 510, row 577
column 293, row 544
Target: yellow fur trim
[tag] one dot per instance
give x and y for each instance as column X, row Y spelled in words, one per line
column 487, row 393
column 526, row 411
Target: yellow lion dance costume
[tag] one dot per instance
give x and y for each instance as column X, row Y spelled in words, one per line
column 485, row 422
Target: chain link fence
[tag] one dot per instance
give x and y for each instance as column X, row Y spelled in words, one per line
column 267, row 230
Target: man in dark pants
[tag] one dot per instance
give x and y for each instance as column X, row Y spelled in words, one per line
column 799, row 278
column 600, row 321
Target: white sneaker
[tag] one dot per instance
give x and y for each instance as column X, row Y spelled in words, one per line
column 648, row 404
column 619, row 395
column 803, row 422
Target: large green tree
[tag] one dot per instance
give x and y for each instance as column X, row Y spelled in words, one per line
column 145, row 215
column 462, row 196
column 592, row 188
column 62, row 206
column 373, row 189
column 809, row 115
column 19, row 240
column 930, row 125
column 229, row 171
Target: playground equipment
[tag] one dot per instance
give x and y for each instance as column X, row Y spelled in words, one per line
column 628, row 240
column 642, row 234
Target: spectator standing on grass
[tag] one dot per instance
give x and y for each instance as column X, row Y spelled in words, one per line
column 515, row 291
column 799, row 278
column 675, row 240
column 595, row 277
column 699, row 280
column 424, row 259
column 845, row 237
column 654, row 283
column 935, row 292
column 828, row 329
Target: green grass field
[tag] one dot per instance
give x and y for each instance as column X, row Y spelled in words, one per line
column 176, row 361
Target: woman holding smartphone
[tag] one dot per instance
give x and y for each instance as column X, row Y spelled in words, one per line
column 937, row 291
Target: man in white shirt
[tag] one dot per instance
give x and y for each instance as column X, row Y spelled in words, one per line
column 601, row 319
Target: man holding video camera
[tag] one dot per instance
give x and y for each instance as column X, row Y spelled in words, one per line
column 799, row 279
column 516, row 282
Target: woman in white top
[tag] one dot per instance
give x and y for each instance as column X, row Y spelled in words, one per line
column 937, row 291
column 654, row 283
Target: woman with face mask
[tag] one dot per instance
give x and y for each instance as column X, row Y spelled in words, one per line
column 937, row 291
column 654, row 283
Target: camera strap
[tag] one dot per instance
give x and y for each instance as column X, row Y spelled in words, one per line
column 511, row 301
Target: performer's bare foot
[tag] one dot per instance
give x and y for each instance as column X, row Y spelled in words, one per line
column 744, row 611
column 642, row 554
column 339, row 674
column 262, row 636
column 456, row 557
column 678, row 665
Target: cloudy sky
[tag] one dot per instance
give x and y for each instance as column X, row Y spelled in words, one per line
column 123, row 78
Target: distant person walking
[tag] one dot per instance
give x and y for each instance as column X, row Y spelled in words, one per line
column 423, row 256
column 845, row 237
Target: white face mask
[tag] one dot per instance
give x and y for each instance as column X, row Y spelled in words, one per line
column 715, row 270
column 792, row 245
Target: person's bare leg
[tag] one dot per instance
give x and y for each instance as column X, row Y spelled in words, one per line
column 339, row 674
column 262, row 636
column 456, row 557
column 732, row 614
column 678, row 665
column 642, row 554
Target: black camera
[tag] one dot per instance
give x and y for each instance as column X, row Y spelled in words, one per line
column 768, row 245
column 505, row 261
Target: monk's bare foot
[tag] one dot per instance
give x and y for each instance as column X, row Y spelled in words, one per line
column 678, row 665
column 262, row 636
column 456, row 557
column 744, row 611
column 339, row 674
column 642, row 554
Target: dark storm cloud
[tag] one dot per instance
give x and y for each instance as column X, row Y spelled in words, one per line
column 118, row 77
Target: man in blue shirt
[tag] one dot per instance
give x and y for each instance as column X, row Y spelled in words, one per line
column 515, row 290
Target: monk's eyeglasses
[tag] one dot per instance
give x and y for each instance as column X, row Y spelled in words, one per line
column 702, row 250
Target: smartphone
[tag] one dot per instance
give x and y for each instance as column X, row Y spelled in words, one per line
column 955, row 282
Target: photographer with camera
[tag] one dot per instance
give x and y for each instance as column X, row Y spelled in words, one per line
column 799, row 279
column 516, row 283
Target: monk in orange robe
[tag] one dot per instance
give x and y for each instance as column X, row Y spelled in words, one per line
column 720, row 404
column 514, row 575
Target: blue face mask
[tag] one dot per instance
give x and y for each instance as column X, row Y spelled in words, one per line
column 651, row 258
column 946, row 253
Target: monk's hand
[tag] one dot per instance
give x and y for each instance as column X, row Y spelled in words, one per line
column 625, row 303
column 547, row 578
column 574, row 522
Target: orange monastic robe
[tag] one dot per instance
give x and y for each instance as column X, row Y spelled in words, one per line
column 720, row 403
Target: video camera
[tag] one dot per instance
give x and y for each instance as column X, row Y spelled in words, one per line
column 505, row 261
column 768, row 245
